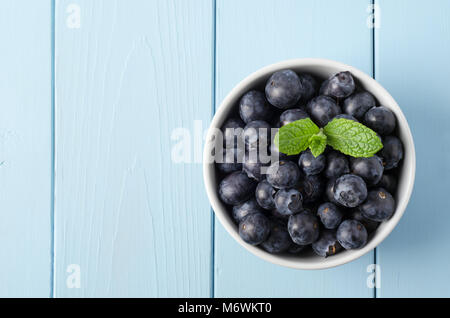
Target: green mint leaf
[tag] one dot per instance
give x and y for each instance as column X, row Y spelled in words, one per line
column 294, row 138
column 352, row 138
column 317, row 143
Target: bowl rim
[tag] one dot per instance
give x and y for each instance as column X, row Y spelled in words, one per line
column 209, row 168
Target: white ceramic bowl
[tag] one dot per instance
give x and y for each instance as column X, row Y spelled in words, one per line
column 322, row 69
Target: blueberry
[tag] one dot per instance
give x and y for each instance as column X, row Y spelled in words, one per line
column 231, row 161
column 291, row 115
column 310, row 208
column 303, row 228
column 392, row 152
column 295, row 248
column 330, row 215
column 388, row 182
column 309, row 85
column 254, row 106
column 274, row 152
column 370, row 225
column 311, row 165
column 242, row 210
column 346, row 116
column 257, row 133
column 284, row 89
column 379, row 206
column 370, row 169
column 279, row 240
column 340, row 85
column 254, row 228
column 311, row 188
column 350, row 190
column 327, row 244
column 288, row 201
column 329, row 191
column 304, row 108
column 265, row 195
column 233, row 130
column 278, row 216
column 358, row 104
column 337, row 165
column 323, row 109
column 253, row 166
column 381, row 119
column 236, row 188
column 283, row 174
column 351, row 234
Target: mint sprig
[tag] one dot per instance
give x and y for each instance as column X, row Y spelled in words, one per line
column 295, row 137
column 352, row 138
column 318, row 143
column 347, row 136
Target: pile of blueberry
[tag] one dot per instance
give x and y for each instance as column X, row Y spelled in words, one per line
column 328, row 202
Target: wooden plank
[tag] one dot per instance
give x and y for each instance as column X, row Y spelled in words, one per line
column 412, row 64
column 136, row 222
column 25, row 148
column 255, row 33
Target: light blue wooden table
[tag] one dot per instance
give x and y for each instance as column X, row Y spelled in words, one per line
column 91, row 92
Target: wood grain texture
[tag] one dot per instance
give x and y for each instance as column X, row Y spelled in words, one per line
column 25, row 148
column 137, row 223
column 412, row 64
column 252, row 34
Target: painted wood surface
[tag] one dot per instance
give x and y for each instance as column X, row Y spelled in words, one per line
column 25, row 148
column 412, row 63
column 137, row 223
column 250, row 35
column 127, row 75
